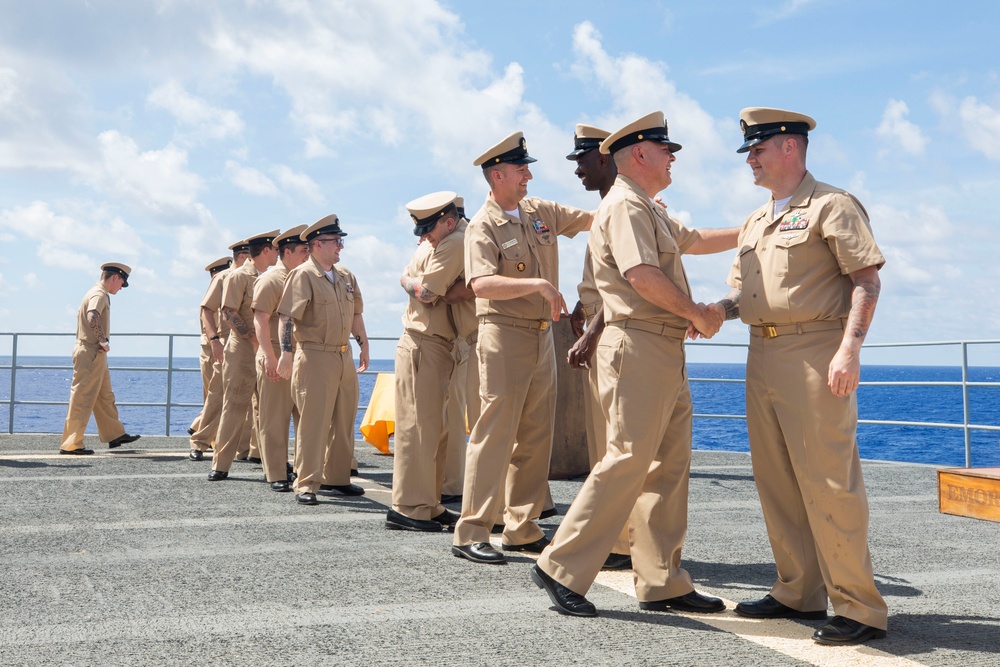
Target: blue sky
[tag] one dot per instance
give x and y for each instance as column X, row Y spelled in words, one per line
column 157, row 133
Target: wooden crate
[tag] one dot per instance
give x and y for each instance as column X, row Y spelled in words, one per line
column 972, row 492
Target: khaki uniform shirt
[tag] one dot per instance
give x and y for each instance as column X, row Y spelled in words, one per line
column 463, row 313
column 96, row 298
column 794, row 268
column 500, row 244
column 587, row 289
column 322, row 310
column 437, row 268
column 630, row 229
column 237, row 293
column 266, row 295
column 213, row 301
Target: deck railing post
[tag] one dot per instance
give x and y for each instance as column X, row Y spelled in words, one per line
column 965, row 405
column 170, row 380
column 13, row 383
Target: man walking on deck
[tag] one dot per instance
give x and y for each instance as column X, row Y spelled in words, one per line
column 90, row 393
column 806, row 280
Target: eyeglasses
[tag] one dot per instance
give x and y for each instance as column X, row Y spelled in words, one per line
column 337, row 240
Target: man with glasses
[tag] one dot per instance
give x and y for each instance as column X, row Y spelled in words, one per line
column 320, row 309
column 91, row 392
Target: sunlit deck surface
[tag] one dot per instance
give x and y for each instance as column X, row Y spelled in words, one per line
column 134, row 558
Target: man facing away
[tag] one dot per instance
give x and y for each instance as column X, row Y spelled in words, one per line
column 806, row 280
column 512, row 264
column 424, row 366
column 206, row 360
column 643, row 477
column 239, row 376
column 274, row 393
column 91, row 392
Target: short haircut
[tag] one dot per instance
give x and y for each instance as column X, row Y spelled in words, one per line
column 107, row 273
column 488, row 172
column 287, row 248
column 257, row 248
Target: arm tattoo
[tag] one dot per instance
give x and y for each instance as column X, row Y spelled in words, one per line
column 94, row 320
column 245, row 332
column 286, row 333
column 863, row 300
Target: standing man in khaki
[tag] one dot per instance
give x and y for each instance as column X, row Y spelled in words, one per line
column 320, row 309
column 424, row 366
column 806, row 281
column 597, row 172
column 643, row 478
column 206, row 360
column 239, row 377
column 274, row 393
column 512, row 264
column 90, row 393
column 217, row 329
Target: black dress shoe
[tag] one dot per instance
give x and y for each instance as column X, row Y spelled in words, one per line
column 217, row 475
column 123, row 439
column 693, row 602
column 281, row 486
column 447, row 518
column 480, row 552
column 549, row 513
column 565, row 600
column 191, row 431
column 342, row 489
column 76, row 452
column 306, row 498
column 253, row 459
column 497, row 529
column 531, row 547
column 354, row 472
column 396, row 521
column 196, row 455
column 768, row 607
column 617, row 562
column 449, row 499
column 843, row 631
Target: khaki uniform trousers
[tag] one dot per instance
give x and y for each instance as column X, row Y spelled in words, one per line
column 643, row 477
column 424, row 365
column 276, row 409
column 463, row 411
column 597, row 435
column 89, row 394
column 325, row 391
column 206, row 362
column 513, row 434
column 808, row 475
column 208, row 422
column 239, row 383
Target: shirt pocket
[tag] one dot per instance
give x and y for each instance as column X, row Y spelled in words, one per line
column 515, row 259
column 793, row 254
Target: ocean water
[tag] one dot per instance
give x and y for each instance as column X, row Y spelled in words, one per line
column 939, row 446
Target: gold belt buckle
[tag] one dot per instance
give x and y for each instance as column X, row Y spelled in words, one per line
column 543, row 325
column 343, row 348
column 770, row 331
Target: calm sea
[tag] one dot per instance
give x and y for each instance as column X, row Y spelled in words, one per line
column 939, row 446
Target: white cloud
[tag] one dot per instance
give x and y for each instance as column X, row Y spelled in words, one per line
column 901, row 132
column 981, row 123
column 195, row 113
column 250, row 180
column 298, row 183
column 156, row 181
column 791, row 8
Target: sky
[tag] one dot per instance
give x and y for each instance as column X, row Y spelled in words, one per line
column 157, row 133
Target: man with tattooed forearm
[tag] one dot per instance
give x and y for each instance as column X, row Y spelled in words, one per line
column 806, row 280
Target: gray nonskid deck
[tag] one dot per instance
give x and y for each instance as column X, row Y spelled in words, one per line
column 133, row 558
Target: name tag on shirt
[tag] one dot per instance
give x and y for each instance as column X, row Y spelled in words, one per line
column 508, row 244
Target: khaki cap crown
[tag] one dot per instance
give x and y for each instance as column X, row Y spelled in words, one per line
column 240, row 246
column 512, row 150
column 761, row 123
column 264, row 238
column 326, row 225
column 123, row 270
column 585, row 139
column 219, row 265
column 426, row 211
column 289, row 236
column 651, row 127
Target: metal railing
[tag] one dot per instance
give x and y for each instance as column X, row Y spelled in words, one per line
column 967, row 426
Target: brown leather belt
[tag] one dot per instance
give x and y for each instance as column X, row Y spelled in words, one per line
column 325, row 348
column 775, row 330
column 659, row 329
column 540, row 325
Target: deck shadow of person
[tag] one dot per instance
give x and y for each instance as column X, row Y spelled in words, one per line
column 744, row 578
column 917, row 634
column 721, row 477
column 28, row 465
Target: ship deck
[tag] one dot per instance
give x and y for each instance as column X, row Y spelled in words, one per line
column 132, row 558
